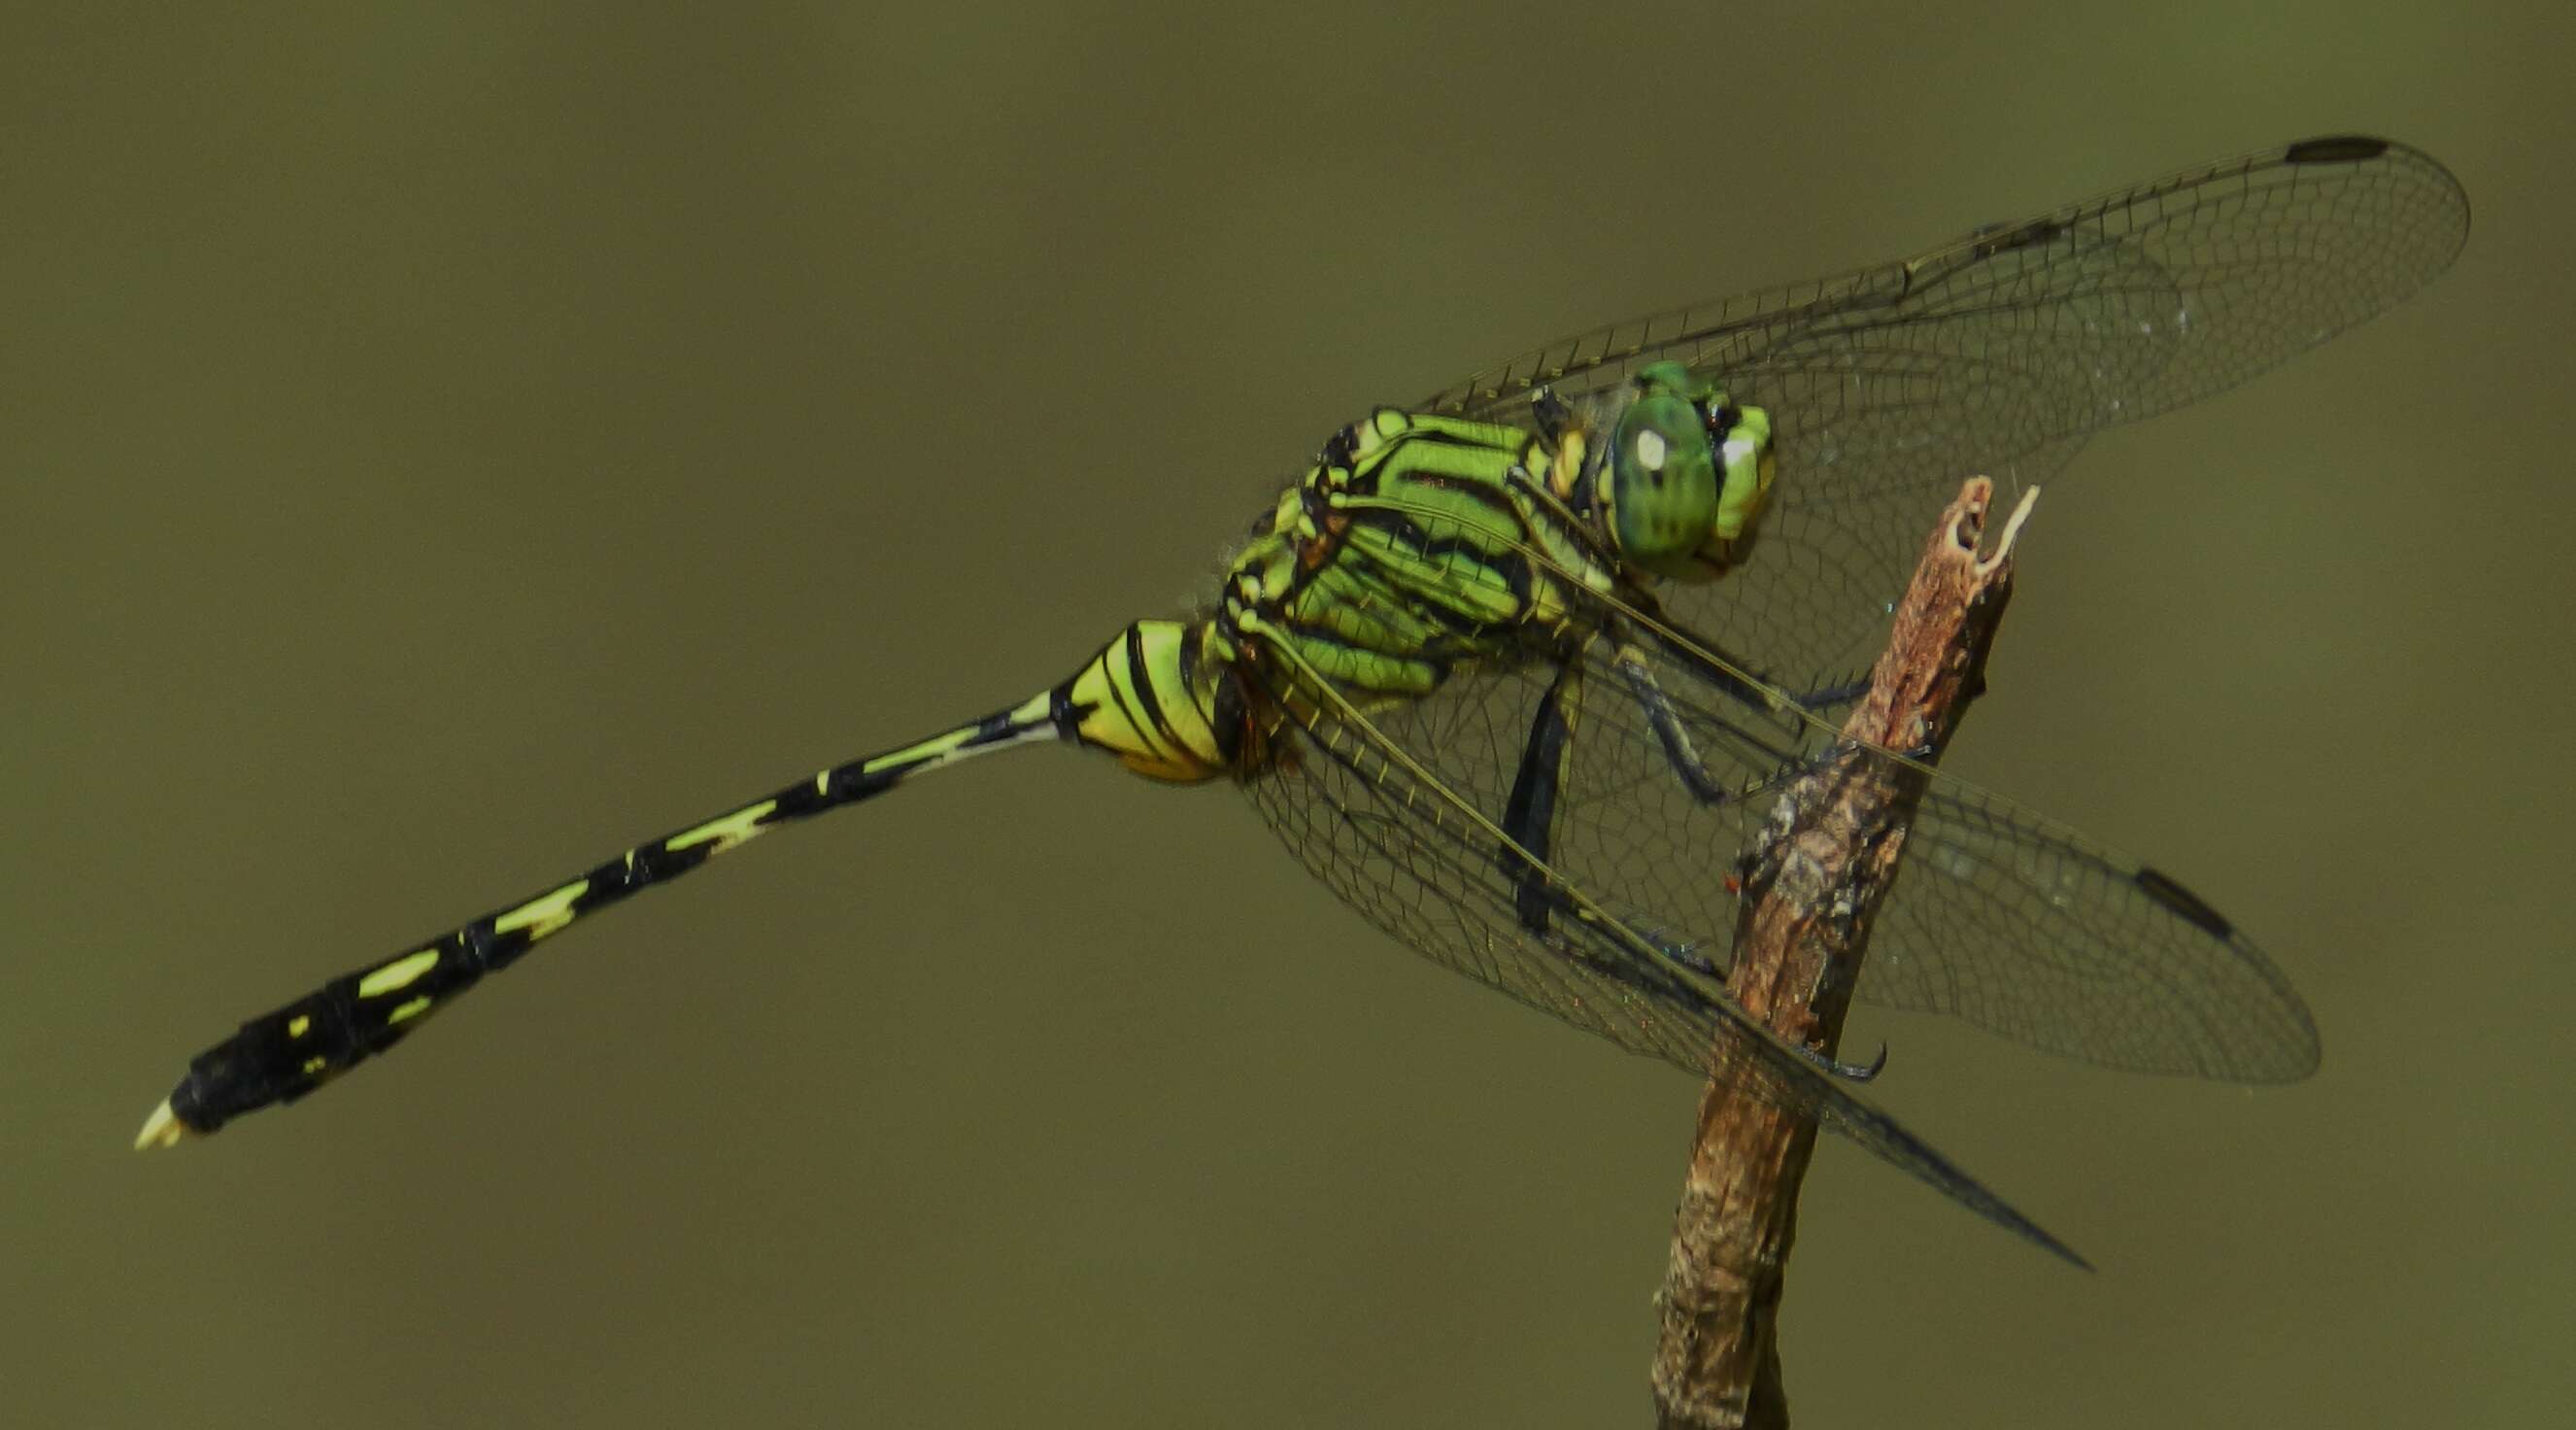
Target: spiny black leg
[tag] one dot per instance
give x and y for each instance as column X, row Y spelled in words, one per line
column 1529, row 816
column 1826, row 699
column 1551, row 414
column 1850, row 1072
column 1679, row 749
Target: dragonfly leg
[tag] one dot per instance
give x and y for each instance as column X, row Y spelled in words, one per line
column 1553, row 416
column 1825, row 699
column 1683, row 755
column 1530, row 814
column 1849, row 1072
column 1680, row 750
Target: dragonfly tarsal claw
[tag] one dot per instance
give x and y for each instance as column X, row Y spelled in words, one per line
column 1850, row 1072
column 1828, row 698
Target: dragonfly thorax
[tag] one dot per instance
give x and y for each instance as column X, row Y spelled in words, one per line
column 1687, row 475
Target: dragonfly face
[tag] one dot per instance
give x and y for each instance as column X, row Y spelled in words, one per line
column 1687, row 475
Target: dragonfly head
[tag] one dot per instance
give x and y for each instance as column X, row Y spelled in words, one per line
column 1687, row 474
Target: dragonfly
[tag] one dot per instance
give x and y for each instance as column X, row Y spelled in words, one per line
column 1519, row 670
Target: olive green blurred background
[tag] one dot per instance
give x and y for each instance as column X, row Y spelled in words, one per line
column 440, row 445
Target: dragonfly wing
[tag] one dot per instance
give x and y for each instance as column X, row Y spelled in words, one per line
column 1998, row 915
column 1664, row 759
column 2027, row 929
column 1999, row 352
column 1421, row 859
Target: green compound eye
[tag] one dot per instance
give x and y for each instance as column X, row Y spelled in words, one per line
column 1688, row 474
column 1663, row 473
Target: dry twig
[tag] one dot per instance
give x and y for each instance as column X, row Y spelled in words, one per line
column 1800, row 937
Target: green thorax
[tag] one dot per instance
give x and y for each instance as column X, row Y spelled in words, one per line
column 1417, row 544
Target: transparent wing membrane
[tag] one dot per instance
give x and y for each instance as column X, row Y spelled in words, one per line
column 2025, row 928
column 1998, row 353
column 1670, row 762
column 1428, row 864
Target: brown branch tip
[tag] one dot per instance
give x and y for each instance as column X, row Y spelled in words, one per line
column 1810, row 891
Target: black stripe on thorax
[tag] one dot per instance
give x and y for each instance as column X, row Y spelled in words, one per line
column 1507, row 562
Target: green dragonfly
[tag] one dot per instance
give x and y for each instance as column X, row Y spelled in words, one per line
column 1520, row 671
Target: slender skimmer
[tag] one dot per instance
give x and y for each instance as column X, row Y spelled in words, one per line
column 1518, row 670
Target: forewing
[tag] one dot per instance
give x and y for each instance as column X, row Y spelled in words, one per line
column 1998, row 353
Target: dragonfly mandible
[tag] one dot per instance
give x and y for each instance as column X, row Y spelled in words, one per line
column 1518, row 670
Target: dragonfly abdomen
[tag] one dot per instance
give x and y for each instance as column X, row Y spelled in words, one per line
column 284, row 1054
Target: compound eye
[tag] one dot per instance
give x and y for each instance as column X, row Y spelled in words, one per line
column 1663, row 481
